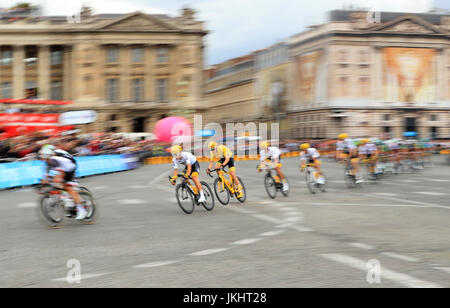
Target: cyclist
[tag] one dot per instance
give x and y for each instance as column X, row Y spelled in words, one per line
column 310, row 155
column 65, row 166
column 346, row 149
column 192, row 168
column 272, row 154
column 225, row 157
column 369, row 151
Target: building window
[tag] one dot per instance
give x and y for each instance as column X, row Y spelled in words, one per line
column 6, row 90
column 31, row 55
column 6, row 56
column 162, row 55
column 387, row 117
column 433, row 117
column 112, row 90
column 137, row 89
column 161, row 90
column 434, row 133
column 137, row 55
column 31, row 89
column 56, row 91
column 112, row 55
column 56, row 57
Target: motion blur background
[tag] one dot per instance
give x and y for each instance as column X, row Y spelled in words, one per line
column 370, row 69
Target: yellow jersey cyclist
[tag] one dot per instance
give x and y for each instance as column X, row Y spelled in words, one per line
column 225, row 157
column 192, row 168
column 346, row 149
column 310, row 155
column 273, row 154
column 369, row 151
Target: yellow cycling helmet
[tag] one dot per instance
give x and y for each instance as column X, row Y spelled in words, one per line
column 264, row 145
column 176, row 149
column 364, row 141
column 305, row 146
column 343, row 136
column 212, row 145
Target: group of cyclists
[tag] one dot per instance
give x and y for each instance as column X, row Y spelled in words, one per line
column 61, row 166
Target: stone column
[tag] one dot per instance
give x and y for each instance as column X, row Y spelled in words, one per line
column 377, row 74
column 149, row 83
column 44, row 72
column 125, row 77
column 19, row 72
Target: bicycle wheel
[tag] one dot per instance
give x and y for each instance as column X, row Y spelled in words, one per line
column 222, row 193
column 90, row 204
column 51, row 210
column 244, row 192
column 209, row 204
column 184, row 198
column 310, row 183
column 270, row 186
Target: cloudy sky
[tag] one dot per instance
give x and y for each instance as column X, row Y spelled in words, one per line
column 239, row 26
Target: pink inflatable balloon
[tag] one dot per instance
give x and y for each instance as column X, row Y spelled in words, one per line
column 168, row 128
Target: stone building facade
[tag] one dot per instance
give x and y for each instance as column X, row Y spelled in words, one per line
column 371, row 77
column 132, row 69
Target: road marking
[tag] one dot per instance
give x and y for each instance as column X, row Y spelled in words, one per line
column 400, row 257
column 267, row 218
column 301, row 229
column 272, row 233
column 409, row 181
column 438, row 180
column 99, row 187
column 444, row 269
column 138, row 187
column 155, row 264
column 386, row 273
column 246, row 241
column 361, row 246
column 430, row 205
column 292, row 219
column 82, row 277
column 386, row 194
column 430, row 193
column 208, row 252
column 131, row 201
column 160, row 177
column 26, row 205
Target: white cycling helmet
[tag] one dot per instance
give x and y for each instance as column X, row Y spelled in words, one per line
column 47, row 151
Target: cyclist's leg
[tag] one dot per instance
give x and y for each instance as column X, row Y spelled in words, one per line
column 69, row 186
column 194, row 175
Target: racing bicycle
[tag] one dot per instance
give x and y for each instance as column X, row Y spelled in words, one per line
column 311, row 179
column 272, row 182
column 225, row 189
column 187, row 195
column 55, row 204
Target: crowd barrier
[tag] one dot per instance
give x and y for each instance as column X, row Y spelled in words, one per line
column 30, row 172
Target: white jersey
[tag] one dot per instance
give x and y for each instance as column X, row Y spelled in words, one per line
column 59, row 163
column 271, row 152
column 310, row 153
column 185, row 159
column 368, row 148
column 345, row 145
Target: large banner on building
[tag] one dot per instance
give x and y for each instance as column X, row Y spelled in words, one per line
column 409, row 75
column 306, row 70
column 274, row 89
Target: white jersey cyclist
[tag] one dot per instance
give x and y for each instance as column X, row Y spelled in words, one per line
column 310, row 154
column 272, row 153
column 367, row 149
column 345, row 145
column 185, row 158
column 64, row 164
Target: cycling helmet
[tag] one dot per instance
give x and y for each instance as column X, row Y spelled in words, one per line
column 264, row 145
column 47, row 151
column 176, row 150
column 305, row 146
column 212, row 145
column 343, row 136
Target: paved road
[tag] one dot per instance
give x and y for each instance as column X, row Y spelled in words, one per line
column 142, row 238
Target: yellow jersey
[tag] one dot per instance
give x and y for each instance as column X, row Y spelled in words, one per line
column 221, row 152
